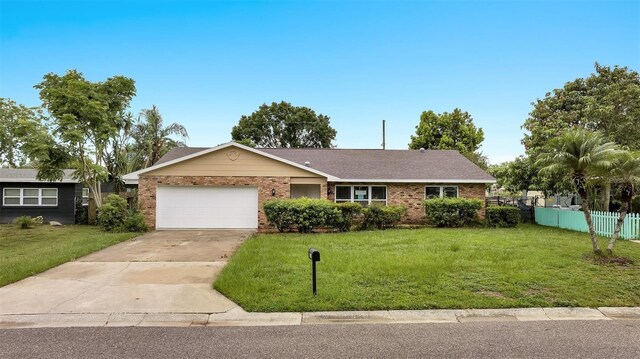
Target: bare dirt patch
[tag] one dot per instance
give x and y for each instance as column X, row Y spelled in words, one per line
column 610, row 260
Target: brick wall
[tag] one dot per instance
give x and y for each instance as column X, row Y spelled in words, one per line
column 148, row 184
column 411, row 196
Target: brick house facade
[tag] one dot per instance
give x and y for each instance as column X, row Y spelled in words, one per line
column 411, row 195
column 273, row 173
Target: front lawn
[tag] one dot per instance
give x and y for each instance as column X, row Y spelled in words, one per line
column 25, row 252
column 529, row 266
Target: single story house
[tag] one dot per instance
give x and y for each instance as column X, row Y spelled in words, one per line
column 225, row 186
column 24, row 195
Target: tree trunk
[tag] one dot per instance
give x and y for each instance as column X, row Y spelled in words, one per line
column 606, row 200
column 616, row 232
column 587, row 216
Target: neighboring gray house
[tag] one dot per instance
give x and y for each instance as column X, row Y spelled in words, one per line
column 24, row 195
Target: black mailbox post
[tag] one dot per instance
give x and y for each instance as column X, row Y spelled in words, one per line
column 314, row 255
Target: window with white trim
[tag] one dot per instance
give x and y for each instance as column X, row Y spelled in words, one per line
column 85, row 196
column 364, row 195
column 440, row 192
column 30, row 197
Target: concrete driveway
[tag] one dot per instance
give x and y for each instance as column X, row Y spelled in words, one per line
column 158, row 272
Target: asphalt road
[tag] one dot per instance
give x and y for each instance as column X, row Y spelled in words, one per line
column 549, row 339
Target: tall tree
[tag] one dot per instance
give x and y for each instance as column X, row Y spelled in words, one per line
column 447, row 131
column 625, row 172
column 87, row 119
column 450, row 131
column 284, row 125
column 516, row 175
column 606, row 101
column 579, row 154
column 152, row 139
column 20, row 127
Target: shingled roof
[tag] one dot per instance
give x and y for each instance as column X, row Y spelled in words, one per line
column 28, row 175
column 372, row 164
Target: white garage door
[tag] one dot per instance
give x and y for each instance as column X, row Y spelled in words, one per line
column 206, row 207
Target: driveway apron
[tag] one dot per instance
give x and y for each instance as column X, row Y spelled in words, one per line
column 158, row 272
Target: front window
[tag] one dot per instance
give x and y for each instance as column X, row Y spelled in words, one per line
column 30, row 197
column 85, row 196
column 343, row 194
column 361, row 195
column 364, row 195
column 440, row 192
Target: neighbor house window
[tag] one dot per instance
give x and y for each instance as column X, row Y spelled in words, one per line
column 85, row 196
column 364, row 195
column 440, row 192
column 30, row 197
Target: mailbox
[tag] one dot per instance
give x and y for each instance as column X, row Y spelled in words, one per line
column 314, row 255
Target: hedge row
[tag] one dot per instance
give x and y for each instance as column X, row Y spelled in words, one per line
column 307, row 214
column 503, row 216
column 451, row 212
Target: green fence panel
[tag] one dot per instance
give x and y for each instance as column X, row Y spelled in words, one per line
column 547, row 216
column 572, row 220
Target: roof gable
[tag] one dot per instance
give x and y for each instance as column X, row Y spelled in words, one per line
column 226, row 160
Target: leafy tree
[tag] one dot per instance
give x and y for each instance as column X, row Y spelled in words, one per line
column 450, row 131
column 447, row 131
column 153, row 140
column 20, row 127
column 606, row 101
column 87, row 119
column 478, row 158
column 579, row 154
column 517, row 175
column 284, row 125
column 626, row 173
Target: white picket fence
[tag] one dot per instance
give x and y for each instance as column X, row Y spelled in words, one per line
column 605, row 224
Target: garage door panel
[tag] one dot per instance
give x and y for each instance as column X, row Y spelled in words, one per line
column 206, row 207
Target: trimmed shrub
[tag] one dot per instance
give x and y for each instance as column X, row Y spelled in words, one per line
column 451, row 212
column 382, row 217
column 25, row 222
column 279, row 213
column 503, row 216
column 311, row 213
column 306, row 214
column 348, row 212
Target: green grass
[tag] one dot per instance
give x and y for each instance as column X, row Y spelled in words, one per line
column 25, row 252
column 528, row 266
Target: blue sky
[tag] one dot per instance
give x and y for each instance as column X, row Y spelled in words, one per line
column 205, row 63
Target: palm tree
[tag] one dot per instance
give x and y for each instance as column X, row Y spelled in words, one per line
column 579, row 153
column 626, row 173
column 154, row 140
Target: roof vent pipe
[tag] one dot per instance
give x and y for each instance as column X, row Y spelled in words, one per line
column 422, row 150
column 307, row 163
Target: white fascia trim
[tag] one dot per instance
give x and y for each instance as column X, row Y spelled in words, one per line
column 369, row 180
column 33, row 180
column 134, row 175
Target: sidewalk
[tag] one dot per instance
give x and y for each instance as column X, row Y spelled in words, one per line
column 238, row 317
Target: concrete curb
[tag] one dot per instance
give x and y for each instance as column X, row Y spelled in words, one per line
column 238, row 317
